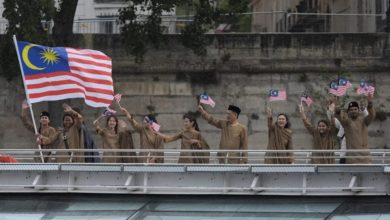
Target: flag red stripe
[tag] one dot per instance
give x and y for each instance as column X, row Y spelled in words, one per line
column 92, row 71
column 69, row 91
column 55, row 74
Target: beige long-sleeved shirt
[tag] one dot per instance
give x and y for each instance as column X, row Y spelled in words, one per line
column 233, row 137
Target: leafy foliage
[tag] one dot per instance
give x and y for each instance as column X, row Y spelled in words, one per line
column 141, row 22
column 30, row 21
column 25, row 21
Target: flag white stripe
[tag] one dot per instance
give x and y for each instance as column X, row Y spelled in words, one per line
column 60, row 78
column 106, row 62
column 85, row 52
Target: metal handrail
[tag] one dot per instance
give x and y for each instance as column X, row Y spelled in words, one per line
column 302, row 156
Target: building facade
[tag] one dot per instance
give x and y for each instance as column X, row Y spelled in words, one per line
column 319, row 15
column 101, row 17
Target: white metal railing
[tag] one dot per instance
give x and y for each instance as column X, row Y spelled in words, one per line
column 262, row 21
column 171, row 156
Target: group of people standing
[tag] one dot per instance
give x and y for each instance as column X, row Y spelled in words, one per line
column 70, row 140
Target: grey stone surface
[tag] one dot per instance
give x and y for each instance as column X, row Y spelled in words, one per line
column 170, row 79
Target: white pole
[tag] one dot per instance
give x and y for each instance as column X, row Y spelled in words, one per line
column 27, row 97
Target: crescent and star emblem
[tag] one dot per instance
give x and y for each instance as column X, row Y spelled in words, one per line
column 27, row 61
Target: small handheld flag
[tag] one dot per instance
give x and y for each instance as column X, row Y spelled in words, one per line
column 108, row 112
column 154, row 125
column 306, row 99
column 339, row 87
column 277, row 95
column 365, row 89
column 118, row 97
column 205, row 99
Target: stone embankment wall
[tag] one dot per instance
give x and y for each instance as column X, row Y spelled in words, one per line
column 240, row 70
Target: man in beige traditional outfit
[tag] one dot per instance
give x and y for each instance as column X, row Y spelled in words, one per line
column 356, row 131
column 44, row 130
column 234, row 135
column 149, row 140
column 69, row 137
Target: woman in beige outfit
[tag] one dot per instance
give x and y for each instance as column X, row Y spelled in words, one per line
column 191, row 139
column 279, row 138
column 113, row 139
column 323, row 139
column 148, row 140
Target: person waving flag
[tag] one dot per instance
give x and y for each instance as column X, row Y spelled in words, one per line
column 57, row 73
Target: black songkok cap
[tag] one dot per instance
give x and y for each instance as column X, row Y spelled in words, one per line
column 353, row 104
column 45, row 113
column 235, row 109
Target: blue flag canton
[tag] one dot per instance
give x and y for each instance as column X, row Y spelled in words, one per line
column 37, row 59
column 363, row 84
column 274, row 92
column 334, row 84
column 342, row 82
column 204, row 96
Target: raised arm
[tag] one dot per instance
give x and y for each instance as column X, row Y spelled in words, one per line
column 98, row 129
column 371, row 112
column 26, row 120
column 170, row 138
column 78, row 118
column 269, row 118
column 133, row 122
column 341, row 116
column 210, row 119
column 305, row 120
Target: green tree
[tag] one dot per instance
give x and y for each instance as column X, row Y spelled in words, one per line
column 141, row 22
column 31, row 21
column 25, row 21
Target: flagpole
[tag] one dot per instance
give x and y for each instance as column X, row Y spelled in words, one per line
column 27, row 97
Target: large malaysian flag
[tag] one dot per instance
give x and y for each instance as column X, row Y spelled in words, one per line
column 57, row 73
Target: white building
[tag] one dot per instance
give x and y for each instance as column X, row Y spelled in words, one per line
column 100, row 16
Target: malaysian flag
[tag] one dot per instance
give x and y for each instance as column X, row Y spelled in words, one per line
column 205, row 99
column 277, row 95
column 153, row 124
column 118, row 97
column 307, row 99
column 365, row 89
column 344, row 83
column 108, row 112
column 57, row 73
column 339, row 87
